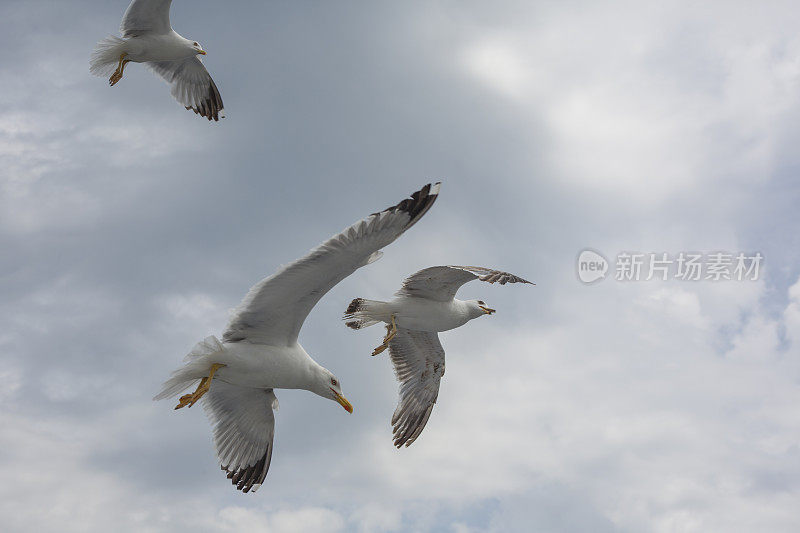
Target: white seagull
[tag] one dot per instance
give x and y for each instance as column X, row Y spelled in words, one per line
column 259, row 351
column 424, row 306
column 149, row 38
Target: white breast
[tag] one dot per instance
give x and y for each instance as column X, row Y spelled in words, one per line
column 428, row 315
column 263, row 366
column 168, row 47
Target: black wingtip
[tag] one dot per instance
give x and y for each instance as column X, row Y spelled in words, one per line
column 211, row 106
column 494, row 276
column 246, row 478
column 409, row 427
column 419, row 203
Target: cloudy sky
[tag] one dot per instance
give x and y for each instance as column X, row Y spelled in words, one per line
column 130, row 227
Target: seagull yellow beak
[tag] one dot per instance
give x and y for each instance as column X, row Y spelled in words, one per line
column 201, row 52
column 343, row 402
column 487, row 310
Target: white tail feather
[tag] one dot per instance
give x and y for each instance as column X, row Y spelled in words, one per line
column 208, row 346
column 105, row 57
column 363, row 313
column 196, row 366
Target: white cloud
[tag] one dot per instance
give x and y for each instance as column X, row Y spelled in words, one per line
column 500, row 66
column 376, row 517
column 628, row 111
column 792, row 314
column 639, row 406
column 283, row 521
column 632, row 405
column 199, row 309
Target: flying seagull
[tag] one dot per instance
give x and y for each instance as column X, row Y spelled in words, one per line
column 425, row 305
column 259, row 351
column 149, row 38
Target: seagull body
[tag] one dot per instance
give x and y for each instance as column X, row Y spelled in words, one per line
column 259, row 351
column 264, row 367
column 165, row 47
column 421, row 314
column 424, row 306
column 149, row 38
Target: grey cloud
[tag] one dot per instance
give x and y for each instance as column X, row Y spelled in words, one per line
column 129, row 227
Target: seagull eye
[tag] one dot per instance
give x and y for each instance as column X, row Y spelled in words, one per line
column 196, row 44
column 334, row 382
column 480, row 302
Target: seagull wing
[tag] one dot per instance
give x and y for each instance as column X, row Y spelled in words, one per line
column 244, row 425
column 275, row 308
column 441, row 283
column 146, row 16
column 191, row 85
column 418, row 359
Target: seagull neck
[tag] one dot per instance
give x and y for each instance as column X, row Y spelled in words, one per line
column 460, row 305
column 466, row 310
column 315, row 378
column 308, row 371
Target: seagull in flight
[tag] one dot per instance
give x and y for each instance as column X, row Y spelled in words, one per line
column 259, row 351
column 148, row 37
column 424, row 306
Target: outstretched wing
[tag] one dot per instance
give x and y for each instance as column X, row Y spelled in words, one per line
column 441, row 283
column 418, row 360
column 146, row 16
column 244, row 425
column 274, row 310
column 191, row 85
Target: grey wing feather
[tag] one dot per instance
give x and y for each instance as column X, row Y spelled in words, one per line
column 244, row 427
column 493, row 276
column 146, row 16
column 418, row 359
column 442, row 282
column 191, row 85
column 273, row 311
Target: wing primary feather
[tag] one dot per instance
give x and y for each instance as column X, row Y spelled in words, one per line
column 493, row 276
column 441, row 283
column 273, row 311
column 244, row 426
column 418, row 360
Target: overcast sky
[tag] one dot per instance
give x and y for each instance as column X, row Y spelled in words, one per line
column 129, row 228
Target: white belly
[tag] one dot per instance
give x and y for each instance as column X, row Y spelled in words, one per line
column 169, row 47
column 428, row 315
column 262, row 366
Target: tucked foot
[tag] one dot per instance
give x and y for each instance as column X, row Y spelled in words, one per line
column 115, row 78
column 188, row 400
column 380, row 349
column 120, row 69
column 391, row 331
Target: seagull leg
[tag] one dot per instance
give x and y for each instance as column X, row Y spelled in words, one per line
column 205, row 384
column 120, row 68
column 390, row 333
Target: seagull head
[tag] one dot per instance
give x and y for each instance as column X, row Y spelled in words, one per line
column 198, row 49
column 327, row 385
column 479, row 308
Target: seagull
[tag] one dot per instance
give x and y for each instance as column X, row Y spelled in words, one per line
column 259, row 351
column 149, row 38
column 424, row 306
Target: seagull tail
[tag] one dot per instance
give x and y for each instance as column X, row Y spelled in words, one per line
column 196, row 367
column 363, row 313
column 105, row 57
